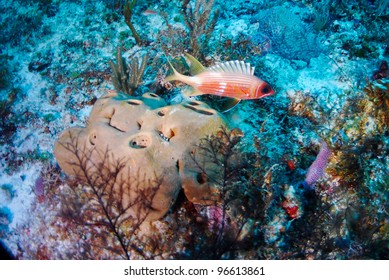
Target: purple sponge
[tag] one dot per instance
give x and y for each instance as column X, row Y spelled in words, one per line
column 317, row 168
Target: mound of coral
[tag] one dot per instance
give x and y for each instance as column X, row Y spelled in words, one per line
column 146, row 145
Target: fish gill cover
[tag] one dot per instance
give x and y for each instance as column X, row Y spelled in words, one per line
column 300, row 174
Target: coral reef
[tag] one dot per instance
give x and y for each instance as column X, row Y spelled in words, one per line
column 127, row 77
column 151, row 139
column 289, row 35
column 128, row 11
column 162, row 176
column 197, row 17
column 357, row 137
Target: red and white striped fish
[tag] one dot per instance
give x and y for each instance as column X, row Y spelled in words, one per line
column 234, row 79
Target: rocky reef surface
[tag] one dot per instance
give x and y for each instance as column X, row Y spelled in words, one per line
column 103, row 159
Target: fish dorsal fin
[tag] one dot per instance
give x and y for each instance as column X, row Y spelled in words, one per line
column 195, row 66
column 233, row 67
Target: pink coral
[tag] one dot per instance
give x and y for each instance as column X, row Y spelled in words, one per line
column 213, row 215
column 317, row 168
column 40, row 189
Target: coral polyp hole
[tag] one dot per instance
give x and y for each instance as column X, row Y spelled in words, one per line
column 205, row 112
column 201, row 178
column 199, row 110
column 134, row 102
column 162, row 112
column 92, row 138
column 167, row 135
column 153, row 95
column 202, row 111
column 171, row 134
column 140, row 142
column 194, row 103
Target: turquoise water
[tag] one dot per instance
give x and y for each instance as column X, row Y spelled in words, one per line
column 302, row 173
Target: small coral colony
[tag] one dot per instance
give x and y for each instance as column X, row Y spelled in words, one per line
column 206, row 147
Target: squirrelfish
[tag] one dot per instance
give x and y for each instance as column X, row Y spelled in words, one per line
column 234, row 79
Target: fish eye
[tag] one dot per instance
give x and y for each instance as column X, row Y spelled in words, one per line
column 266, row 90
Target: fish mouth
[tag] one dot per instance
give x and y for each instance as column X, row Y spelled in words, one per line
column 267, row 94
column 270, row 93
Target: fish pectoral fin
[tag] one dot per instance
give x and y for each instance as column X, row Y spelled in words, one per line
column 228, row 104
